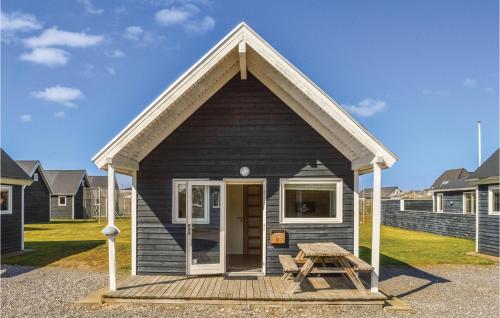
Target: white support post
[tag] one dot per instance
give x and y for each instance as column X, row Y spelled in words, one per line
column 134, row 222
column 356, row 213
column 111, row 223
column 22, row 217
column 401, row 205
column 376, row 205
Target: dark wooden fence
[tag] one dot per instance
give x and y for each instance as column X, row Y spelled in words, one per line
column 450, row 224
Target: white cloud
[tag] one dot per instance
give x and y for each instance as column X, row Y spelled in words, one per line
column 133, row 33
column 176, row 15
column 111, row 70
column 46, row 56
column 367, row 107
column 90, row 8
column 200, row 26
column 60, row 94
column 59, row 114
column 18, row 22
column 26, row 118
column 55, row 37
column 432, row 92
column 115, row 53
column 469, row 82
column 140, row 36
column 489, row 90
column 88, row 71
column 120, row 11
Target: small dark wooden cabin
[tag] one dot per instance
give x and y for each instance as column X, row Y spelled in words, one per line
column 451, row 193
column 487, row 180
column 13, row 181
column 37, row 195
column 241, row 148
column 66, row 200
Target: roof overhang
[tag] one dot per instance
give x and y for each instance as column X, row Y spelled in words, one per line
column 14, row 181
column 453, row 189
column 241, row 50
column 489, row 180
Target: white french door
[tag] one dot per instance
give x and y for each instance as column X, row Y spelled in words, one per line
column 205, row 222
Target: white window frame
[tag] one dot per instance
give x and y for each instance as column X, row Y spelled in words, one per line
column 490, row 200
column 9, row 207
column 175, row 203
column 439, row 202
column 339, row 186
column 473, row 212
column 59, row 200
column 35, row 176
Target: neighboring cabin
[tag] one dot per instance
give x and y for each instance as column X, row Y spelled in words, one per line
column 13, row 181
column 37, row 195
column 66, row 201
column 487, row 180
column 451, row 193
column 96, row 196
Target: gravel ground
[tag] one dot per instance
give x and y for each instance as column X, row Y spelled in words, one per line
column 438, row 291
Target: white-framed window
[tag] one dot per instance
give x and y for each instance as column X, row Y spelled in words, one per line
column 311, row 200
column 35, row 176
column 201, row 202
column 6, row 199
column 61, row 200
column 439, row 203
column 469, row 199
column 494, row 200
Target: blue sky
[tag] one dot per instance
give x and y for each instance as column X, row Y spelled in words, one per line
column 417, row 74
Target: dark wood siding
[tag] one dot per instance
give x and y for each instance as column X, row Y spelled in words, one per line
column 489, row 232
column 244, row 124
column 36, row 201
column 80, row 212
column 453, row 201
column 61, row 212
column 12, row 224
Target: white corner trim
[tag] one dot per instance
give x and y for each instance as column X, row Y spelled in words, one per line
column 356, row 213
column 134, row 222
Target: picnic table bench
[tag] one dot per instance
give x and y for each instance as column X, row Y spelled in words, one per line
column 326, row 255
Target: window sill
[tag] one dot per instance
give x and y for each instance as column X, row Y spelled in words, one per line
column 310, row 221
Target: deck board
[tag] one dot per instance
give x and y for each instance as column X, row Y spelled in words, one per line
column 218, row 288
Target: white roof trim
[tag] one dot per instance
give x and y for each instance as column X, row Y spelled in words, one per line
column 319, row 104
column 47, row 183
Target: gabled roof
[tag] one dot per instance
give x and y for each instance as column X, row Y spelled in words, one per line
column 30, row 166
column 452, row 179
column 11, row 172
column 488, row 172
column 100, row 182
column 65, row 182
column 241, row 50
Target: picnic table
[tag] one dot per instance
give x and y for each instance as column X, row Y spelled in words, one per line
column 324, row 254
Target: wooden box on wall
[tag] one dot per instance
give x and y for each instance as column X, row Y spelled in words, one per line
column 277, row 237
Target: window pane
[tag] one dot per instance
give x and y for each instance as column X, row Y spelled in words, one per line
column 496, row 199
column 310, row 201
column 181, row 201
column 4, row 199
column 198, row 203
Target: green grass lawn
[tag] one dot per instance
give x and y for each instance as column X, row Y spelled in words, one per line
column 404, row 247
column 81, row 245
column 73, row 244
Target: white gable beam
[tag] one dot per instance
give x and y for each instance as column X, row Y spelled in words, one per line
column 366, row 162
column 242, row 51
column 123, row 163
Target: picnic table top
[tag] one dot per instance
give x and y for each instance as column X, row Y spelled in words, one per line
column 322, row 249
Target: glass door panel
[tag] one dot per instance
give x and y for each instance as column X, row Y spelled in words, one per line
column 205, row 227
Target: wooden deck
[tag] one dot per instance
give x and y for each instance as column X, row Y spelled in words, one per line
column 218, row 289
